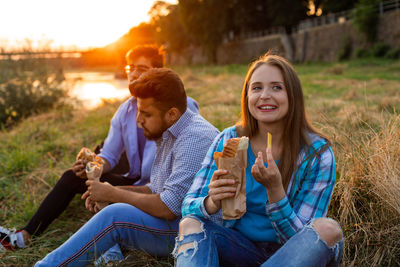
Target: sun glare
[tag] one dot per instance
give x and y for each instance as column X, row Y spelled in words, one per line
column 72, row 23
column 92, row 94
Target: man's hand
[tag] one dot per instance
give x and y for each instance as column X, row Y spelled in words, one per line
column 92, row 205
column 100, row 192
column 89, row 203
column 79, row 168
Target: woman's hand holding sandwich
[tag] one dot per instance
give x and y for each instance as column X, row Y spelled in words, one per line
column 219, row 188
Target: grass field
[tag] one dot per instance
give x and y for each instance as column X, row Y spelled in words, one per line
column 356, row 103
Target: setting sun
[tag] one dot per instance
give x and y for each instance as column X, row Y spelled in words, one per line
column 69, row 24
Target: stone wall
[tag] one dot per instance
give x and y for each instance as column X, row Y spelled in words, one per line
column 315, row 44
column 246, row 51
column 389, row 29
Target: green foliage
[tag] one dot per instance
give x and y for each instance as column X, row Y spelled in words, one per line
column 169, row 29
column 206, row 21
column 29, row 87
column 379, row 50
column 393, row 53
column 346, row 48
column 361, row 53
column 366, row 18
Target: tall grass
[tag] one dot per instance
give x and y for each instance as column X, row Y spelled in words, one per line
column 356, row 103
column 367, row 195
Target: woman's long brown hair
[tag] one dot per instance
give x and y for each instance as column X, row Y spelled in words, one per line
column 297, row 126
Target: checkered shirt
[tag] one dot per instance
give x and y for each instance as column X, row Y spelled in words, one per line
column 308, row 195
column 179, row 154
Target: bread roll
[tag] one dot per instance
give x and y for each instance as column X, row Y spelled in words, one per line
column 86, row 155
column 94, row 170
column 230, row 148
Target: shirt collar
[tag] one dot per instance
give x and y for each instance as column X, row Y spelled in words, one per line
column 181, row 124
column 132, row 104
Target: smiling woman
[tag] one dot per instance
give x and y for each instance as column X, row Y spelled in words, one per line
column 69, row 24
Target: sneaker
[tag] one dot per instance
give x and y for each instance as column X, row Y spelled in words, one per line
column 113, row 254
column 8, row 239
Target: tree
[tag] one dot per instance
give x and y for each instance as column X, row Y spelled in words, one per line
column 337, row 5
column 366, row 18
column 250, row 16
column 207, row 22
column 287, row 13
column 168, row 26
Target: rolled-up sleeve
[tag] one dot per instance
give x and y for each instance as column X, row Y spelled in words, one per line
column 187, row 161
column 310, row 201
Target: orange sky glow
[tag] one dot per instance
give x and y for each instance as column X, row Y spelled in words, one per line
column 69, row 24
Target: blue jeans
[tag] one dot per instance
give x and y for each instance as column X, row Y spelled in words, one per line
column 216, row 245
column 117, row 223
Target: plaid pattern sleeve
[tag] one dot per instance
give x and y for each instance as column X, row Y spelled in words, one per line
column 180, row 152
column 194, row 200
column 309, row 194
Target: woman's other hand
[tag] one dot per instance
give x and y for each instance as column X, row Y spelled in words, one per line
column 269, row 177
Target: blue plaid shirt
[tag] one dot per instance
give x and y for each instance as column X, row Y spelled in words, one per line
column 179, row 154
column 307, row 197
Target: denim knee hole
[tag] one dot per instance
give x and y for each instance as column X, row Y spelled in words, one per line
column 310, row 225
column 191, row 238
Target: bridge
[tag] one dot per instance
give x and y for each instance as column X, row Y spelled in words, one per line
column 40, row 54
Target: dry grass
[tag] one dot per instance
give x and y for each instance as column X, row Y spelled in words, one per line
column 367, row 195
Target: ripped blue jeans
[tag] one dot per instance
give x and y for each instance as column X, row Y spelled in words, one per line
column 216, row 245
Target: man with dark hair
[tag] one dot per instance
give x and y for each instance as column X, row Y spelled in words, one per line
column 122, row 136
column 146, row 217
column 155, row 55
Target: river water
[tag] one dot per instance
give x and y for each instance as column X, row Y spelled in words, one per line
column 92, row 87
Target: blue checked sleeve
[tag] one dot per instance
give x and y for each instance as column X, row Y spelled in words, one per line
column 193, row 203
column 187, row 161
column 311, row 193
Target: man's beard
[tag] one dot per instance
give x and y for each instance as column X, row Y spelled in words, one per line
column 152, row 136
column 155, row 135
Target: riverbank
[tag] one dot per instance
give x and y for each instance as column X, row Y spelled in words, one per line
column 356, row 103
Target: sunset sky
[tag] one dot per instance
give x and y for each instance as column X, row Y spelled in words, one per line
column 69, row 23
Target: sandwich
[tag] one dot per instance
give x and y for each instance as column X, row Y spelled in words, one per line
column 93, row 163
column 233, row 158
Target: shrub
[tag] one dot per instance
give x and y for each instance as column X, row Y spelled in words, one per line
column 29, row 87
column 346, row 48
column 380, row 50
column 393, row 53
column 336, row 69
column 361, row 53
